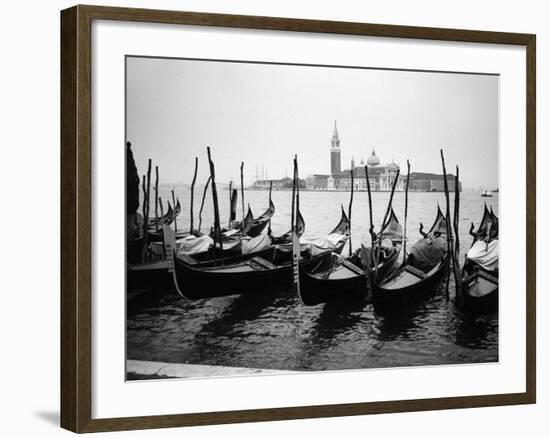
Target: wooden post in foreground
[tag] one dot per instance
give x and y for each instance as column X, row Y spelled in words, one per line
column 202, row 201
column 406, row 209
column 242, row 196
column 149, row 164
column 456, row 220
column 269, row 205
column 193, row 193
column 217, row 228
column 175, row 212
column 450, row 252
column 349, row 208
column 376, row 254
column 144, row 214
column 366, row 259
column 371, row 225
column 230, row 202
column 369, row 259
column 156, row 198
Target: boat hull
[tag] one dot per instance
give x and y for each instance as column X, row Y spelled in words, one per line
column 390, row 299
column 480, row 290
column 246, row 277
column 348, row 286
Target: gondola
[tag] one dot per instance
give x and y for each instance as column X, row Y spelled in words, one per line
column 253, row 273
column 258, row 225
column 252, row 227
column 419, row 275
column 343, row 280
column 480, row 271
column 234, row 248
column 237, row 226
column 154, row 232
column 167, row 218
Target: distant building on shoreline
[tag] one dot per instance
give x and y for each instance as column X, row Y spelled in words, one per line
column 278, row 184
column 381, row 176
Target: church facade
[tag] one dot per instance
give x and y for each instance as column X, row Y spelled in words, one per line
column 381, row 176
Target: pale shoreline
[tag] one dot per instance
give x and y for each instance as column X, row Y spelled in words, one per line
column 144, row 370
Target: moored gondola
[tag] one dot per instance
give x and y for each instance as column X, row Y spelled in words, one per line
column 344, row 280
column 258, row 225
column 252, row 273
column 419, row 275
column 480, row 271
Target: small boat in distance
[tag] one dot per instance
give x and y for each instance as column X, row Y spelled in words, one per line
column 486, row 194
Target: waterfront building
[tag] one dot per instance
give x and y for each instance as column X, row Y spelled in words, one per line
column 278, row 184
column 431, row 182
column 381, row 176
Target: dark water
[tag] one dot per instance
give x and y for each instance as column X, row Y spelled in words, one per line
column 273, row 330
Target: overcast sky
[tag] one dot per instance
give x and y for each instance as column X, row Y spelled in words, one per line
column 263, row 114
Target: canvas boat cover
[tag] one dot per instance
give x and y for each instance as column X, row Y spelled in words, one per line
column 188, row 245
column 317, row 245
column 191, row 245
column 258, row 243
column 428, row 252
column 485, row 254
column 321, row 244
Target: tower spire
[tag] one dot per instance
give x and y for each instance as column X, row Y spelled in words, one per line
column 335, row 152
column 335, row 136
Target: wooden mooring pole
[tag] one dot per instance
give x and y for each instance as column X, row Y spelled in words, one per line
column 456, row 222
column 144, row 224
column 406, row 209
column 156, row 198
column 175, row 212
column 376, row 254
column 269, row 223
column 202, row 201
column 193, row 194
column 217, row 227
column 350, row 206
column 450, row 251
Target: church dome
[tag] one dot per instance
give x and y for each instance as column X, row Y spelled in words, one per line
column 373, row 160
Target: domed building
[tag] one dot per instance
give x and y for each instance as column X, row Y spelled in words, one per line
column 373, row 159
column 381, row 176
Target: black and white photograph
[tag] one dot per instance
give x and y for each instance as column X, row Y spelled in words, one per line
column 291, row 218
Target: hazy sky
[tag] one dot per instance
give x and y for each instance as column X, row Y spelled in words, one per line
column 264, row 114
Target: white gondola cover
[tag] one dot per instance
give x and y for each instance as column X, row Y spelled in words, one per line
column 190, row 245
column 258, row 243
column 322, row 244
column 485, row 255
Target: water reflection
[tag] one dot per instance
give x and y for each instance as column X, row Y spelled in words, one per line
column 477, row 331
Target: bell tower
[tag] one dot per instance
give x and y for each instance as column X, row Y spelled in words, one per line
column 335, row 152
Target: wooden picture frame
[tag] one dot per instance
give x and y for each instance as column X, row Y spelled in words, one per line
column 76, row 217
